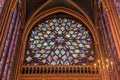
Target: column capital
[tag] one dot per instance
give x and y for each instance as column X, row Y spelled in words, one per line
column 106, row 5
column 96, row 43
column 97, row 27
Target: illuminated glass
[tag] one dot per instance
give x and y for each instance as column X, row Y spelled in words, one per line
column 59, row 41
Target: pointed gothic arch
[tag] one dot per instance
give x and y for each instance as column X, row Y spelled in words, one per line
column 101, row 32
column 51, row 12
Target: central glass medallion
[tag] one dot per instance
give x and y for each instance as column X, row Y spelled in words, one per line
column 60, row 39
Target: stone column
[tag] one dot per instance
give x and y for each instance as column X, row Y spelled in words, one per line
column 114, row 22
column 113, row 19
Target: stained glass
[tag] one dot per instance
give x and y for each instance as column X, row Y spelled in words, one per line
column 28, row 59
column 59, row 41
column 91, row 58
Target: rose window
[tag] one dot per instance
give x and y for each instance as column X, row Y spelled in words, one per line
column 59, row 41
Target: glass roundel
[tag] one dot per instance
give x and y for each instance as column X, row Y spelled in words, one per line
column 59, row 41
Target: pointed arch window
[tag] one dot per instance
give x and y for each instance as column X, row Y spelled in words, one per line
column 59, row 41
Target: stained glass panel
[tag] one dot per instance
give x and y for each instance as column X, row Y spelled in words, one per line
column 60, row 41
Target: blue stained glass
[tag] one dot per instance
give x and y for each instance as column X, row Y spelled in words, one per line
column 68, row 43
column 62, row 51
column 45, row 35
column 52, row 36
column 62, row 28
column 74, row 35
column 41, row 26
column 51, row 23
column 35, row 33
column 75, row 55
column 60, row 55
column 57, row 51
column 47, row 47
column 83, row 37
column 79, row 34
column 68, row 23
column 61, row 62
column 44, row 55
column 44, row 29
column 66, row 63
column 36, row 42
column 71, row 32
column 33, row 51
column 59, row 32
column 71, row 51
column 37, row 55
column 57, row 28
column 86, row 51
column 42, row 37
column 56, row 24
column 82, row 55
column 40, row 34
column 81, row 45
column 52, row 43
column 42, row 51
column 77, row 37
column 36, row 37
column 49, row 58
column 54, row 20
column 53, row 63
column 91, row 58
column 92, row 52
column 36, row 63
column 77, row 51
column 72, row 47
column 44, row 61
column 89, row 39
column 60, row 19
column 68, row 35
column 84, row 63
column 79, row 25
column 60, row 47
column 28, row 52
column 87, row 46
column 67, row 54
column 84, row 41
column 65, row 20
column 59, row 41
column 67, row 27
column 76, row 61
column 55, row 57
column 45, row 44
column 71, row 58
column 39, row 45
column 32, row 46
column 85, row 32
column 63, row 24
column 29, row 59
column 74, row 25
column 48, row 32
column 31, row 39
column 64, row 57
column 73, row 21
